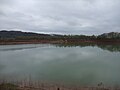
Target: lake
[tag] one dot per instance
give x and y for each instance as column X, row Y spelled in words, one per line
column 82, row 65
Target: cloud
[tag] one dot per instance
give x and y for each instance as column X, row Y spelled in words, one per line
column 61, row 16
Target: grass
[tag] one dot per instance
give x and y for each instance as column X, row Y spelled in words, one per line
column 24, row 85
column 8, row 86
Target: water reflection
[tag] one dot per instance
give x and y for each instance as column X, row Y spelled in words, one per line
column 21, row 47
column 83, row 65
column 108, row 47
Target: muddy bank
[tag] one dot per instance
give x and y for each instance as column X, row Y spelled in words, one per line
column 29, row 42
column 12, row 42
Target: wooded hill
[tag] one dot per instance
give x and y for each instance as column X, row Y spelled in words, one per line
column 28, row 36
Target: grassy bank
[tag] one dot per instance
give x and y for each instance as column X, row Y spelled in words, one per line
column 24, row 85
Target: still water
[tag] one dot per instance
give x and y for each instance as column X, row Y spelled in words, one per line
column 69, row 65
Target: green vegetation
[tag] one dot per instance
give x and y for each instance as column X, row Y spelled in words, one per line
column 46, row 86
column 8, row 86
column 18, row 37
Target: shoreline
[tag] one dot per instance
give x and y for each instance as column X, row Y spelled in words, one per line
column 26, row 42
column 58, row 42
column 23, row 85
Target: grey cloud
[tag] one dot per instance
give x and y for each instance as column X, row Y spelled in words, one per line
column 61, row 16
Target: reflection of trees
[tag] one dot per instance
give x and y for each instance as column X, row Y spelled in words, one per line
column 109, row 47
column 112, row 48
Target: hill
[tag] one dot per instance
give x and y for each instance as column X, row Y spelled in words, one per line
column 114, row 35
column 19, row 37
column 15, row 34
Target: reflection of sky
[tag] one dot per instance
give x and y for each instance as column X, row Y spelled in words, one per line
column 21, row 47
column 86, row 65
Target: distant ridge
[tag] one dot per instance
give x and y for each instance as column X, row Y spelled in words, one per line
column 110, row 35
column 14, row 34
column 17, row 36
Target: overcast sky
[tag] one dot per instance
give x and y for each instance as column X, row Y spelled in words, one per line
column 61, row 16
